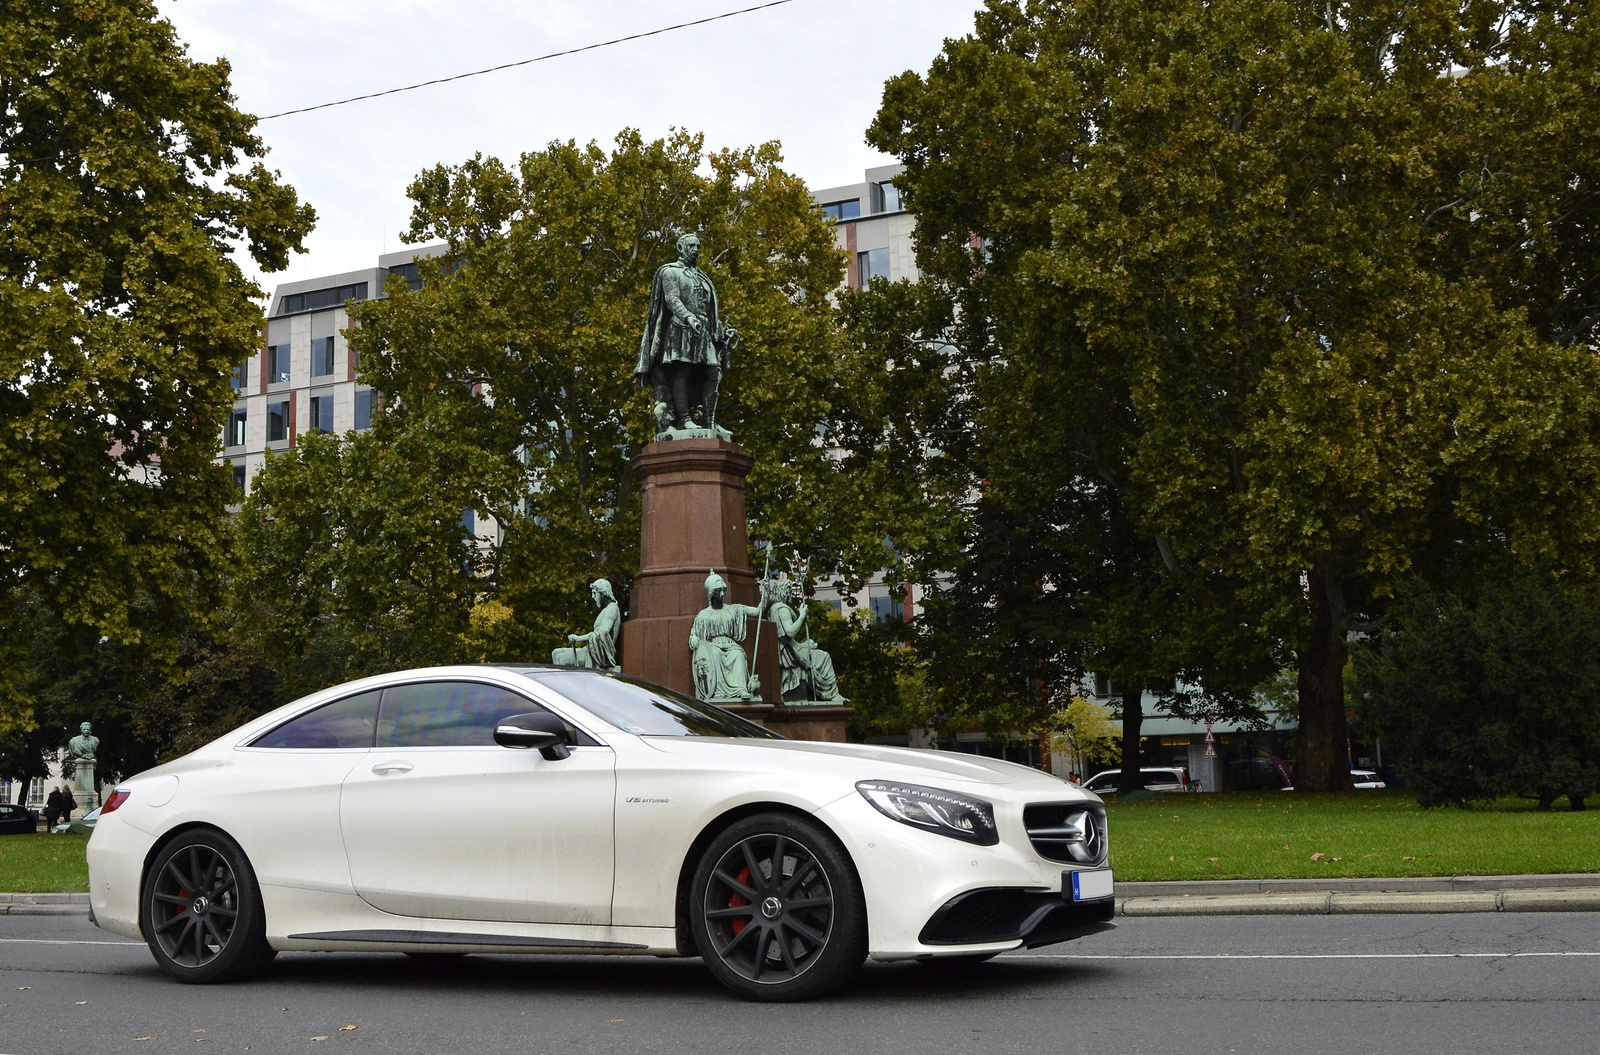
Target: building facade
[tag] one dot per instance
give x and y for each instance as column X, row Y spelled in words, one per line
column 304, row 377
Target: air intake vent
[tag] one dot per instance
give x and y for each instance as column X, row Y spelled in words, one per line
column 1072, row 832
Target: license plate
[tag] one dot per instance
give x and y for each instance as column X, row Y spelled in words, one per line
column 1090, row 886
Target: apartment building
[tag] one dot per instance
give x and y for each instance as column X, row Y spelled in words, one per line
column 303, row 379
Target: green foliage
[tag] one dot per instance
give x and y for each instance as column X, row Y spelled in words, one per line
column 1284, row 302
column 122, row 314
column 1499, row 695
column 509, row 390
column 1083, row 729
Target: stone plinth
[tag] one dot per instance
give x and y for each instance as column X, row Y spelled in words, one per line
column 824, row 722
column 692, row 522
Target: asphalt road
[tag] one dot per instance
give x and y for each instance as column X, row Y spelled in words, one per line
column 1353, row 985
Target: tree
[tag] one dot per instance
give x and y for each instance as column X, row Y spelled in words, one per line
column 1491, row 695
column 122, row 314
column 1332, row 301
column 509, row 388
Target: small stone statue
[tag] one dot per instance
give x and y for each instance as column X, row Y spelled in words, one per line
column 685, row 348
column 721, row 669
column 806, row 672
column 598, row 648
column 81, row 756
column 84, row 745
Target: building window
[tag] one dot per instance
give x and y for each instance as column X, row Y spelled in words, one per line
column 364, row 408
column 331, row 297
column 277, row 421
column 236, row 380
column 236, row 423
column 886, row 197
column 321, row 414
column 321, row 356
column 874, row 263
column 238, row 476
column 277, row 364
column 887, row 609
column 843, row 210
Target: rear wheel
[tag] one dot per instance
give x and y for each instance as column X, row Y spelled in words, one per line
column 777, row 910
column 202, row 912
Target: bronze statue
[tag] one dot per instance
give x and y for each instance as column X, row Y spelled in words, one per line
column 685, row 347
column 597, row 648
column 721, row 669
column 806, row 671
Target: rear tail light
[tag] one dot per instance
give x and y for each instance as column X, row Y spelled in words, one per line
column 115, row 802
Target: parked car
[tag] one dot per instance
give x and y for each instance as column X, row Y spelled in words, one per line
column 1156, row 778
column 80, row 825
column 1363, row 779
column 17, row 820
column 619, row 817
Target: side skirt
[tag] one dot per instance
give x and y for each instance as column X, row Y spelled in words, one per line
column 459, row 939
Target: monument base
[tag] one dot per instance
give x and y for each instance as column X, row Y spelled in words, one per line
column 84, row 787
column 811, row 721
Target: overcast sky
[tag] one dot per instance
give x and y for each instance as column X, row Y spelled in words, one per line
column 809, row 74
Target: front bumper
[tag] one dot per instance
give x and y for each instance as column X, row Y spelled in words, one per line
column 970, row 899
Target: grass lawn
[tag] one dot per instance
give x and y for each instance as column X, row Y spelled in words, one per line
column 1276, row 835
column 43, row 864
column 1265, row 835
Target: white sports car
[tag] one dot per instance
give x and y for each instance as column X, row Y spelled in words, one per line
column 537, row 809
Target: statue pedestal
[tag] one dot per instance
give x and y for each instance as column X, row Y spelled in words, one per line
column 692, row 521
column 84, row 789
column 818, row 721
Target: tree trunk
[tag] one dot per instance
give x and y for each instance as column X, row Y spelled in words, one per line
column 1132, row 775
column 1547, row 799
column 1323, row 764
column 1577, row 802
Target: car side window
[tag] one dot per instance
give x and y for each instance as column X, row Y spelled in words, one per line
column 446, row 714
column 342, row 724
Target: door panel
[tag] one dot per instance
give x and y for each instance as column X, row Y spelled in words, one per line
column 477, row 832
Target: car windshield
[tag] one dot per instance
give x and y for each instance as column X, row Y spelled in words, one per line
column 644, row 709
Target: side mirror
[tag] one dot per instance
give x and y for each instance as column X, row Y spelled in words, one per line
column 540, row 729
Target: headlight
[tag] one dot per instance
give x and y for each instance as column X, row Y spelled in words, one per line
column 959, row 817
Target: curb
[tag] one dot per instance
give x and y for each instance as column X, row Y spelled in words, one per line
column 43, row 904
column 44, row 910
column 1328, row 902
column 1284, row 886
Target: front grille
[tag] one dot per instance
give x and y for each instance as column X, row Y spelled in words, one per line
column 1071, row 832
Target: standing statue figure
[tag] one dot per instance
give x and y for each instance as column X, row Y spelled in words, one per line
column 721, row 669
column 685, row 347
column 806, row 671
column 597, row 648
column 81, row 753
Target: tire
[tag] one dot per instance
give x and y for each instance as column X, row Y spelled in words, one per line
column 802, row 947
column 201, row 910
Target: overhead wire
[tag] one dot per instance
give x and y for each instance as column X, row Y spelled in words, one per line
column 440, row 80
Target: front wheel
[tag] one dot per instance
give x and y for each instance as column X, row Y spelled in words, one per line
column 777, row 910
column 202, row 912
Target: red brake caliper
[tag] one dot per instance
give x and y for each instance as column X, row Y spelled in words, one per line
column 737, row 900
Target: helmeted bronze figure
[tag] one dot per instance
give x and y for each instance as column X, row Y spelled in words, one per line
column 685, row 347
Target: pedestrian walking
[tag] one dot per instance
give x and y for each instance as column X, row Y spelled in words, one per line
column 52, row 809
column 68, row 804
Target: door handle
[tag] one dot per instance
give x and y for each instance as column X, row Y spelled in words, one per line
column 383, row 769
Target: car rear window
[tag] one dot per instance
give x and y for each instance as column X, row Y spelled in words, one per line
column 644, row 709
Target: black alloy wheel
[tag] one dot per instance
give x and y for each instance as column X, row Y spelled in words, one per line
column 777, row 909
column 202, row 914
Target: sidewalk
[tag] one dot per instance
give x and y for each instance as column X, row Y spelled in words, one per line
column 1578, row 892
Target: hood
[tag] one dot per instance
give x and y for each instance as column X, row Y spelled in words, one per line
column 867, row 761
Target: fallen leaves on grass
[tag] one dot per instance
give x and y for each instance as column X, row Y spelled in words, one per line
column 1369, row 855
column 1319, row 855
column 1408, row 858
column 1213, row 859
